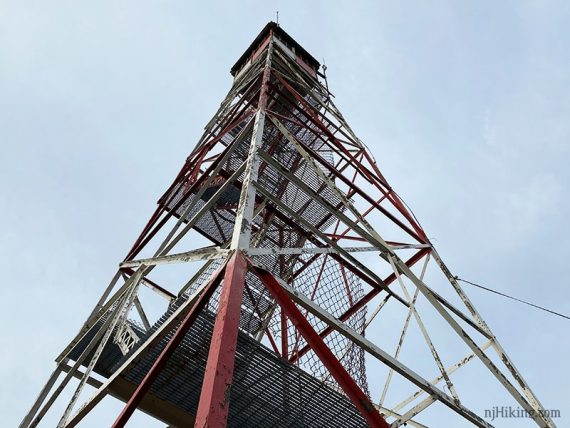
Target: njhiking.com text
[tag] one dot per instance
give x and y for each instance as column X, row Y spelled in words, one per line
column 510, row 412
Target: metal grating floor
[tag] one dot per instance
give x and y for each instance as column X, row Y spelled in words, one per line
column 267, row 391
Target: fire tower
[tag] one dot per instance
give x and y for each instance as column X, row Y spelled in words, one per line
column 277, row 281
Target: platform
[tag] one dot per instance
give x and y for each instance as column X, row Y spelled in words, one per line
column 267, row 390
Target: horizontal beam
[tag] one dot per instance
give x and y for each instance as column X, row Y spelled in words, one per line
column 207, row 253
column 305, row 250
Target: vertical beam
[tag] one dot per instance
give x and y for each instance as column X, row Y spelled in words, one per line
column 284, row 337
column 214, row 397
column 168, row 350
column 244, row 216
column 349, row 386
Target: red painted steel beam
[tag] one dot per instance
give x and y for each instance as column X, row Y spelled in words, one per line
column 168, row 350
column 284, row 336
column 348, row 385
column 215, row 395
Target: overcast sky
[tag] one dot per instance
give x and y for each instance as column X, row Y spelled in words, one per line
column 465, row 105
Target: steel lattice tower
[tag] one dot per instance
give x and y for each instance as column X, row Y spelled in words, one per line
column 306, row 246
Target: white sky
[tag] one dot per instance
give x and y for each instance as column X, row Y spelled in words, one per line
column 465, row 106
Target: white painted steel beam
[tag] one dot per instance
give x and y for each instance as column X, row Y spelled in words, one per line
column 207, row 253
column 261, row 251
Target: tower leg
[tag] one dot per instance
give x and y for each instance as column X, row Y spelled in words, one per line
column 41, row 397
column 214, row 398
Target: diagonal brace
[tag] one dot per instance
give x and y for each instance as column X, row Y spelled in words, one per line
column 349, row 386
